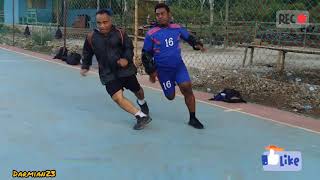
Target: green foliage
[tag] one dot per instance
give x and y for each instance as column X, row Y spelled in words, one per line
column 82, row 4
column 4, row 29
column 315, row 14
column 241, row 10
column 40, row 37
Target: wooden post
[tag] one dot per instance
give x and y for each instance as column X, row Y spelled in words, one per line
column 255, row 30
column 251, row 56
column 226, row 24
column 245, row 57
column 136, row 32
column 281, row 61
column 65, row 25
column 305, row 37
column 283, row 56
column 58, row 13
column 13, row 16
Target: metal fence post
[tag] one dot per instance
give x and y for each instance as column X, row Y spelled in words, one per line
column 65, row 23
column 136, row 31
column 13, row 16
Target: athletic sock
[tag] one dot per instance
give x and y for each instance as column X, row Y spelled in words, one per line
column 140, row 114
column 192, row 115
column 141, row 102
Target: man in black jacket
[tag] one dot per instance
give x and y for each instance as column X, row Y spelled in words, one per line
column 114, row 52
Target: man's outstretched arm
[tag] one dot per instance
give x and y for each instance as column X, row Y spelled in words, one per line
column 87, row 54
column 192, row 40
column 148, row 62
column 147, row 56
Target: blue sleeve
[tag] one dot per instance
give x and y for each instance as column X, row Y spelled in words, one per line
column 184, row 33
column 147, row 46
column 190, row 39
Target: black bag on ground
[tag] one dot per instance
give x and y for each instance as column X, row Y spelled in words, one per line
column 73, row 59
column 230, row 96
column 62, row 54
column 27, row 31
column 58, row 34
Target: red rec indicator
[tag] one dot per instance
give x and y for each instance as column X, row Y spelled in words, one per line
column 301, row 18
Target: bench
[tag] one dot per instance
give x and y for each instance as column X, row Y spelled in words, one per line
column 281, row 56
column 30, row 17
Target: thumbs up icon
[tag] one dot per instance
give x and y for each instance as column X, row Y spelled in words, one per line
column 273, row 159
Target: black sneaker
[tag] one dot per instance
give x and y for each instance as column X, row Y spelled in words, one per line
column 144, row 107
column 194, row 122
column 142, row 122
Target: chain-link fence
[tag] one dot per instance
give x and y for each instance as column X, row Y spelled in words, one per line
column 247, row 49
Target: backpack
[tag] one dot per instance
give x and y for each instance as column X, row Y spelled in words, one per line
column 73, row 59
column 90, row 35
column 27, row 31
column 230, row 96
column 58, row 34
column 62, row 54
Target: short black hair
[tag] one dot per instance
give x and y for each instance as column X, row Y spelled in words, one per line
column 161, row 5
column 107, row 11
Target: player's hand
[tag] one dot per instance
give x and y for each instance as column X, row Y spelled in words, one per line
column 122, row 62
column 202, row 49
column 152, row 77
column 84, row 72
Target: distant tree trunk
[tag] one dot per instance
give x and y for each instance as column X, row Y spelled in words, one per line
column 202, row 4
column 125, row 8
column 211, row 4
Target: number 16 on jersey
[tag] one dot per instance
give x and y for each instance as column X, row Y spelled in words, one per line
column 166, row 85
column 169, row 42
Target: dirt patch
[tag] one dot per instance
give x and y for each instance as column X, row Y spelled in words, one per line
column 289, row 91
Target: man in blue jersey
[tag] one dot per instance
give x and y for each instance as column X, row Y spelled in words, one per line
column 161, row 57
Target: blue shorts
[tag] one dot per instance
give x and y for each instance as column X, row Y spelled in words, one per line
column 168, row 77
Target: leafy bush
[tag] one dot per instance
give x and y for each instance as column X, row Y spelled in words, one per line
column 40, row 37
column 4, row 29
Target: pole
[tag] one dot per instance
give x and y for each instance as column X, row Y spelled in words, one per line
column 305, row 36
column 136, row 30
column 65, row 23
column 226, row 23
column 13, row 16
column 58, row 14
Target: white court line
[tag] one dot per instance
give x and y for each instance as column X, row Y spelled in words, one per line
column 156, row 89
column 15, row 61
column 233, row 110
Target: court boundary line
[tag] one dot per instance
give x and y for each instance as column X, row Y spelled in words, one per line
column 93, row 71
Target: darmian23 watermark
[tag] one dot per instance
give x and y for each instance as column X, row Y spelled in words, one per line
column 34, row 174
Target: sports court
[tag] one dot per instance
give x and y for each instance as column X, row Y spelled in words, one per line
column 52, row 118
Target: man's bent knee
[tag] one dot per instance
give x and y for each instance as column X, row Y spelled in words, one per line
column 139, row 92
column 186, row 89
column 118, row 96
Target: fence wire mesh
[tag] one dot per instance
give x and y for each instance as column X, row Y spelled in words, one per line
column 281, row 70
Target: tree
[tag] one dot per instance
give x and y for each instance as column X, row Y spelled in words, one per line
column 202, row 4
column 211, row 5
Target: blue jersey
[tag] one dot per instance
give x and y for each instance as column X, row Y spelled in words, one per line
column 163, row 43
